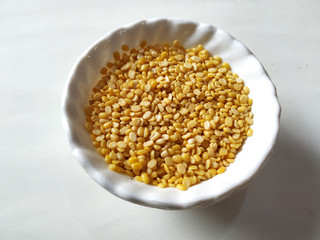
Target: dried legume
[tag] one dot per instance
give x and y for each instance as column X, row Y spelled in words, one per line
column 169, row 116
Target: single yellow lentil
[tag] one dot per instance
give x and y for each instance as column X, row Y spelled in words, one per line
column 221, row 170
column 136, row 166
column 181, row 187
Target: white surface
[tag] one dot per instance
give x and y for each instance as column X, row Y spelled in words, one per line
column 45, row 194
column 85, row 74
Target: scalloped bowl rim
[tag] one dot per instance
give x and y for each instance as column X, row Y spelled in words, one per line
column 85, row 73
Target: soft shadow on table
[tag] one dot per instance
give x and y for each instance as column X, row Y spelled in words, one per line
column 212, row 221
column 283, row 202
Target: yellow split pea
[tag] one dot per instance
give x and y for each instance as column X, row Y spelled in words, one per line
column 169, row 116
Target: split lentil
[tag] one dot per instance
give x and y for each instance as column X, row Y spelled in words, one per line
column 169, row 116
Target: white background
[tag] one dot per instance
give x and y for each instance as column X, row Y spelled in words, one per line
column 45, row 194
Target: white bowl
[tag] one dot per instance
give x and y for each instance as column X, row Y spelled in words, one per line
column 249, row 160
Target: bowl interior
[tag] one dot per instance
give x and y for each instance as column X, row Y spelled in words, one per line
column 249, row 160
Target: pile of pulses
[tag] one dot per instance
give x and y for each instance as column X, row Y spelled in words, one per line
column 169, row 116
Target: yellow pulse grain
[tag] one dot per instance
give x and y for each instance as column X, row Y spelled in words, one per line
column 169, row 116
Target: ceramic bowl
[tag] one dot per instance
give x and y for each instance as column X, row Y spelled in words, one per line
column 249, row 160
